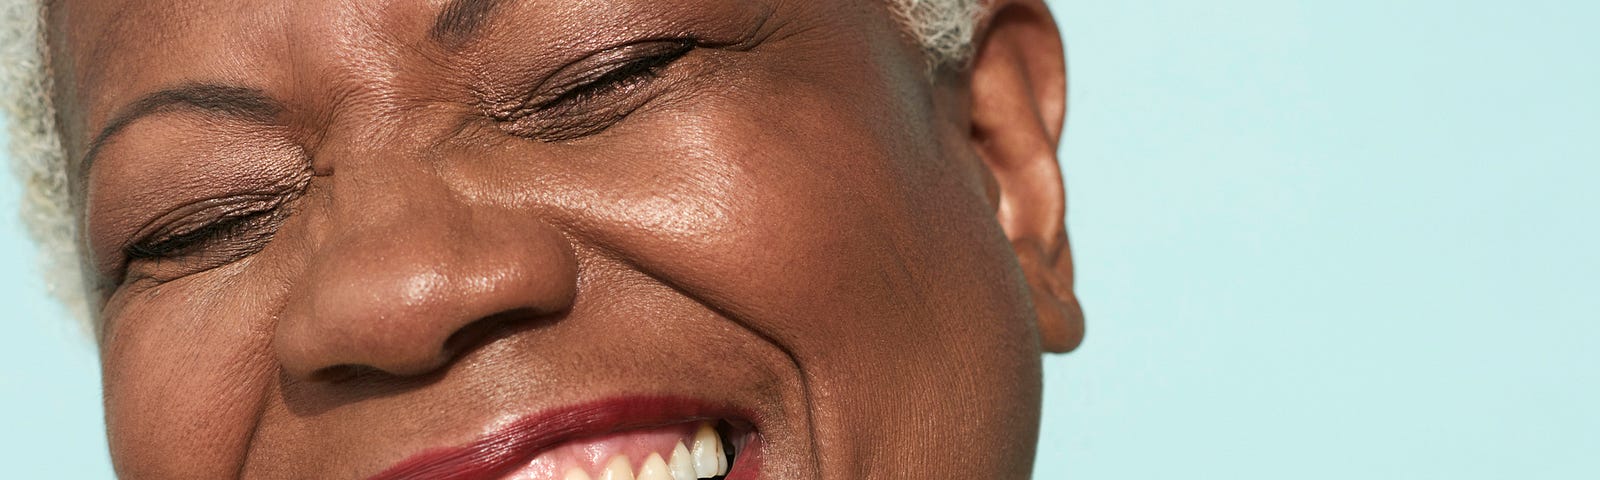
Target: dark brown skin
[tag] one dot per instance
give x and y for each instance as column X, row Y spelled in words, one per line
column 373, row 243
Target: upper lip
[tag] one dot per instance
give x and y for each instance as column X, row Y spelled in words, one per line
column 505, row 449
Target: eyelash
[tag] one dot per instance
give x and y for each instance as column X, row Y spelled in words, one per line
column 593, row 102
column 175, row 245
column 617, row 78
column 207, row 238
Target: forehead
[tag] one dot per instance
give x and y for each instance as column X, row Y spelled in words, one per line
column 110, row 52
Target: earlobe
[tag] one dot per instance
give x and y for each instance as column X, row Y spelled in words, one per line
column 1050, row 284
column 1018, row 87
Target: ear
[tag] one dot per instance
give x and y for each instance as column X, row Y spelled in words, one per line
column 1018, row 85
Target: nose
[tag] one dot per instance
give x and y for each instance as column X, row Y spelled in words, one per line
column 416, row 280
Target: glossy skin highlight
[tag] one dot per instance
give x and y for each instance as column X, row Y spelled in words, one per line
column 328, row 235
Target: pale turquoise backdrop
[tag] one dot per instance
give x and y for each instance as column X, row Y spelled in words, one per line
column 1316, row 240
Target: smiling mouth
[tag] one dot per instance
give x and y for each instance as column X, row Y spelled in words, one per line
column 619, row 439
column 686, row 451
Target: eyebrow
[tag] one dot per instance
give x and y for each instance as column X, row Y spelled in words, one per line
column 243, row 103
column 460, row 20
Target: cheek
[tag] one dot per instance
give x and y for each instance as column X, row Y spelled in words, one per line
column 850, row 240
column 869, row 257
column 824, row 214
column 185, row 375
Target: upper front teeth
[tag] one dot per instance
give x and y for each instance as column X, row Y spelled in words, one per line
column 682, row 464
column 618, row 469
column 706, row 459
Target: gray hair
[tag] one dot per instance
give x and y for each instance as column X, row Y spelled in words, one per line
column 944, row 29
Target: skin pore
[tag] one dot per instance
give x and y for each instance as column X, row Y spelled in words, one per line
column 328, row 235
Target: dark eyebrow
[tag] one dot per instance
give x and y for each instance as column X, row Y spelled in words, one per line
column 460, row 20
column 247, row 104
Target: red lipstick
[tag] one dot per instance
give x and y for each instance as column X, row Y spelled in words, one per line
column 504, row 450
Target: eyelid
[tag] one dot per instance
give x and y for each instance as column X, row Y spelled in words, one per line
column 151, row 245
column 256, row 217
column 227, row 203
column 607, row 62
column 556, row 88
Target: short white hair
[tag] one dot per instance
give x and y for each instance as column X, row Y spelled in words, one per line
column 943, row 28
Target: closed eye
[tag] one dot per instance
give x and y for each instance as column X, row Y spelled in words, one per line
column 186, row 242
column 593, row 94
column 619, row 77
column 205, row 237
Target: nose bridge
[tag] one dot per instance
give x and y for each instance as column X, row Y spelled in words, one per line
column 404, row 273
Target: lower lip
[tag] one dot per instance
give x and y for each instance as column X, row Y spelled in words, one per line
column 747, row 462
column 507, row 448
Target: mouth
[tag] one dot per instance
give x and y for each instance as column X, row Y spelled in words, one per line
column 622, row 439
column 686, row 451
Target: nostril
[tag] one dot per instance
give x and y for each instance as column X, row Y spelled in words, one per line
column 423, row 360
column 345, row 373
column 479, row 332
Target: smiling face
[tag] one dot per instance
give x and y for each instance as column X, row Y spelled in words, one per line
column 339, row 239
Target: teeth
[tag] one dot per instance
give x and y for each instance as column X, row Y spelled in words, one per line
column 706, row 446
column 576, row 474
column 706, row 458
column 618, row 469
column 654, row 469
column 682, row 463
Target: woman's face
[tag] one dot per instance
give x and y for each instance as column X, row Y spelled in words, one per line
column 462, row 239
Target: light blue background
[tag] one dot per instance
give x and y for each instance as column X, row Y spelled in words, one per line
column 1316, row 240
